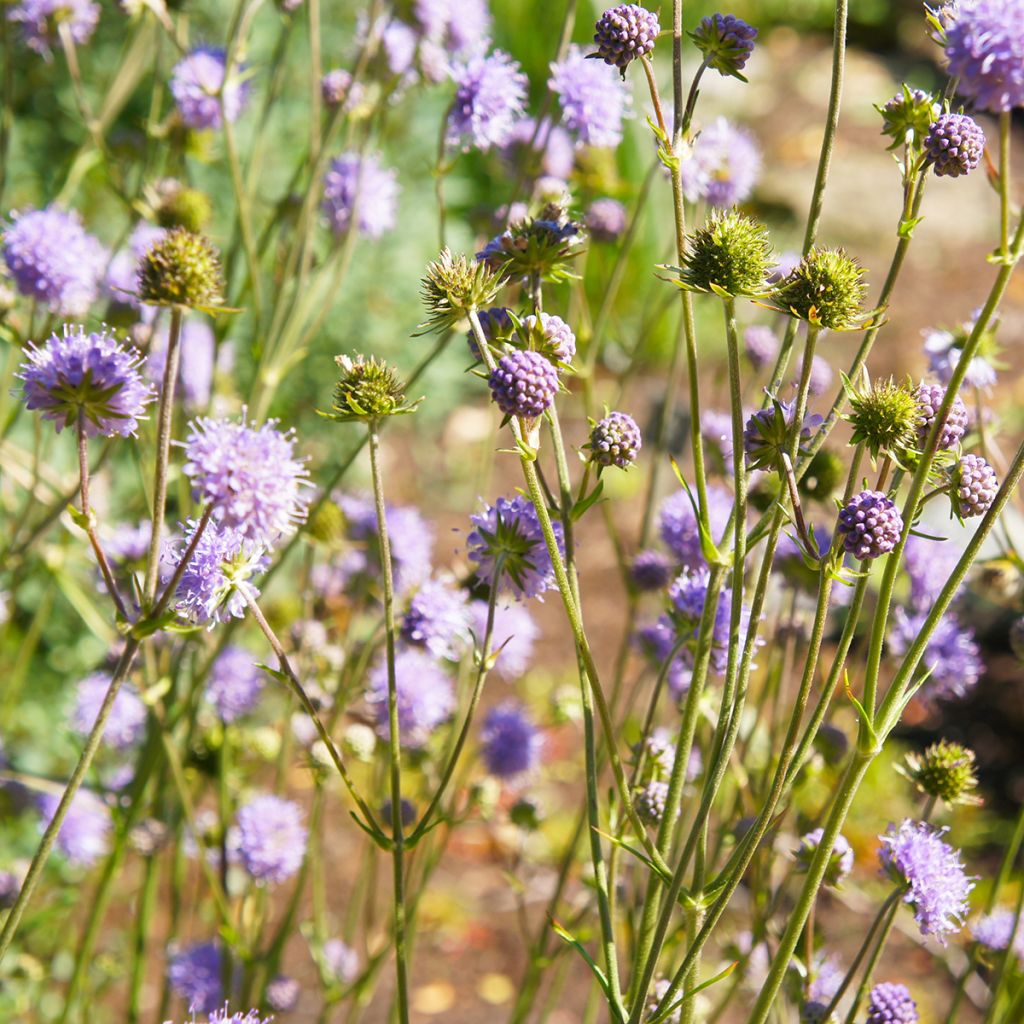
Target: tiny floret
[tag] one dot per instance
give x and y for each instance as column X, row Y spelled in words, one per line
column 870, row 525
column 181, row 269
column 726, row 42
column 974, row 486
column 954, row 145
column 731, row 254
column 271, row 838
column 825, row 289
column 615, row 441
column 624, row 34
column 524, row 384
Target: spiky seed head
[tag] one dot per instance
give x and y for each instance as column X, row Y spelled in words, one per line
column 944, row 770
column 179, row 206
column 181, row 269
column 368, row 389
column 826, row 289
column 455, row 285
column 823, row 476
column 884, row 416
column 731, row 253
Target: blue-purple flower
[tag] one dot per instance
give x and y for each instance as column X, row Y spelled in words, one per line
column 726, row 42
column 358, row 189
column 723, row 165
column 426, row 697
column 928, row 564
column 39, row 20
column 762, row 345
column 513, row 635
column 127, row 722
column 88, row 376
column 993, row 931
column 593, row 98
column 952, row 657
column 490, row 93
column 870, row 525
column 438, row 619
column 195, row 975
column 461, row 27
column 510, row 743
column 891, row 1003
column 271, row 838
column 985, row 52
column 196, row 84
column 235, row 684
column 341, row 960
column 606, row 220
column 84, row 835
column 650, row 570
column 678, row 523
column 548, row 143
column 688, row 595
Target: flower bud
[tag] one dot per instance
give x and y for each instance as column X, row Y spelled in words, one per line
column 181, row 269
column 367, row 390
column 909, row 111
column 178, row 206
column 624, row 34
column 726, row 42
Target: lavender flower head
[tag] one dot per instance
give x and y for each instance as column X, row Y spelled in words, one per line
column 762, row 345
column 929, row 399
column 194, row 974
column 218, row 579
column 624, row 34
column 87, row 375
column 937, row 888
column 974, row 486
column 461, row 27
column 555, row 337
column 656, row 641
column 928, row 565
column 615, row 440
column 593, row 98
column 54, row 260
column 39, row 20
column 688, row 595
column 985, row 53
column 678, row 523
column 198, row 360
column 870, row 525
column 490, row 93
column 508, row 535
column 358, row 187
column 549, row 144
column 513, row 635
column 338, row 90
column 341, row 960
column 127, row 722
column 195, row 83
column 723, row 165
column 819, row 378
column 993, row 931
column 891, row 1003
column 952, row 656
column 606, row 220
column 954, row 145
column 283, row 994
column 650, row 570
column 726, row 42
column 511, row 743
column 272, row 838
column 943, row 350
column 426, row 697
column 438, row 619
column 840, row 862
column 236, row 683
column 84, row 835
column 248, row 475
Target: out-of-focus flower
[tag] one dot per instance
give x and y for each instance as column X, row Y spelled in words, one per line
column 840, row 861
column 357, row 189
column 606, row 220
column 985, row 52
column 271, row 838
column 593, row 99
column 84, row 835
column 762, row 345
column 490, row 93
column 512, row 636
column 943, row 349
column 461, row 27
column 196, row 362
column 39, row 21
column 438, row 619
column 236, row 683
column 722, row 165
column 928, row 564
column 127, row 722
column 120, row 283
column 195, row 975
column 511, row 744
column 993, row 931
column 338, row 90
column 678, row 523
column 196, row 84
column 952, row 656
column 688, row 595
column 426, row 697
column 650, row 570
column 341, row 960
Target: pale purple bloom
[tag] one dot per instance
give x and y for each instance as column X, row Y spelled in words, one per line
column 218, row 579
column 762, row 345
column 438, row 619
column 820, row 377
column 235, row 684
column 891, row 1003
column 197, row 360
column 194, row 974
column 54, row 260
column 606, row 220
column 557, row 152
column 359, row 187
column 271, row 838
column 127, row 722
column 688, row 595
column 84, row 835
column 426, row 697
column 993, row 931
column 716, row 429
column 723, row 166
column 952, row 656
column 510, row 530
column 87, row 374
column 678, row 523
column 937, row 888
column 341, row 960
column 127, row 545
column 985, row 52
column 225, row 1016
column 462, row 27
column 593, row 98
column 10, row 885
column 870, row 524
column 511, row 743
column 656, row 641
column 283, row 994
column 38, row 20
column 827, row 977
column 489, row 96
column 556, row 336
column 513, row 636
column 249, row 475
column 943, row 350
column 195, row 83
column 928, row 564
column 398, row 43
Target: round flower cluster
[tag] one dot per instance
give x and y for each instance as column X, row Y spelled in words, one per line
column 678, row 523
column 606, row 220
column 84, row 835
column 127, row 722
column 826, row 289
column 554, row 336
column 235, row 683
column 594, row 101
column 425, row 696
column 650, row 570
column 891, row 1003
column 615, row 441
column 512, row 636
column 248, row 475
column 762, row 345
column 437, row 619
column 198, row 86
column 650, row 801
column 689, row 594
column 840, row 861
column 975, row 486
column 523, row 384
column 767, row 431
column 180, row 269
column 726, row 42
column 338, row 90
column 511, row 744
column 912, row 110
column 495, row 323
column 87, row 378
column 985, row 53
column 944, row 770
column 955, row 145
column 359, row 191
column 490, row 93
column 625, row 33
column 271, row 838
column 722, row 165
column 731, row 252
column 39, row 21
column 993, row 931
column 870, row 525
column 195, row 975
column 929, row 400
column 952, row 657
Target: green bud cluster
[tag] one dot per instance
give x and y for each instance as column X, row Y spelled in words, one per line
column 178, row 206
column 453, row 286
column 946, row 771
column 731, row 253
column 182, row 269
column 825, row 289
column 368, row 389
column 884, row 417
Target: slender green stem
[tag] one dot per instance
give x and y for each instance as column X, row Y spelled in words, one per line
column 869, row 970
column 1005, row 123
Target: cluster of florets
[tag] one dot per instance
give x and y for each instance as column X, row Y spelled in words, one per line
column 271, row 838
column 726, row 42
column 687, row 596
column 952, row 657
column 885, row 417
column 650, row 801
column 826, row 289
column 524, row 384
column 650, row 571
column 424, row 692
column 762, row 345
column 490, row 93
column 454, row 285
column 945, row 771
column 615, row 440
column 360, row 193
column 908, row 113
column 552, row 336
column 677, row 522
column 541, row 245
column 368, row 389
column 840, row 861
column 510, row 743
column 929, row 399
column 1000, row 931
column 196, row 975
column 954, row 145
column 40, row 22
column 624, row 34
column 985, row 53
column 891, row 1003
column 721, row 166
column 974, row 486
column 438, row 619
column 84, row 835
column 235, row 683
column 338, row 90
column 199, row 88
column 496, row 326
column 180, row 269
column 870, row 525
column 86, row 378
column 594, row 101
column 767, row 434
column 731, row 254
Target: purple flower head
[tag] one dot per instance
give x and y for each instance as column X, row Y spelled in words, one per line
column 282, row 994
column 840, row 862
column 338, row 90
column 722, row 166
column 554, row 336
column 955, row 144
column 218, row 578
column 678, row 523
column 937, row 888
column 511, row 743
column 53, row 260
column 606, row 220
column 89, row 375
column 656, row 641
column 593, row 99
column 398, row 45
column 235, row 683
column 194, row 974
column 891, row 1003
column 870, row 525
column 495, row 323
column 39, row 20
column 438, row 619
column 271, row 838
column 929, row 400
column 462, row 27
column 509, row 532
column 762, row 345
column 426, row 697
column 513, row 635
column 952, row 656
column 359, row 187
column 928, row 564
column 827, row 976
column 225, row 1016
column 195, row 83
column 249, row 476
column 489, row 96
column 197, row 360
column 993, row 931
column 84, row 835
column 974, row 486
column 523, row 384
column 10, row 885
column 650, row 570
column 943, row 349
column 127, row 722
column 341, row 960
column 624, row 34
column 615, row 441
column 688, row 595
column 650, row 801
column 985, row 52
column 726, row 42
column 766, row 434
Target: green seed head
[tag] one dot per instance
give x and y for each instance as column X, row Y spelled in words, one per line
column 946, row 771
column 178, row 206
column 453, row 286
column 884, row 417
column 182, row 269
column 825, row 289
column 368, row 389
column 731, row 253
